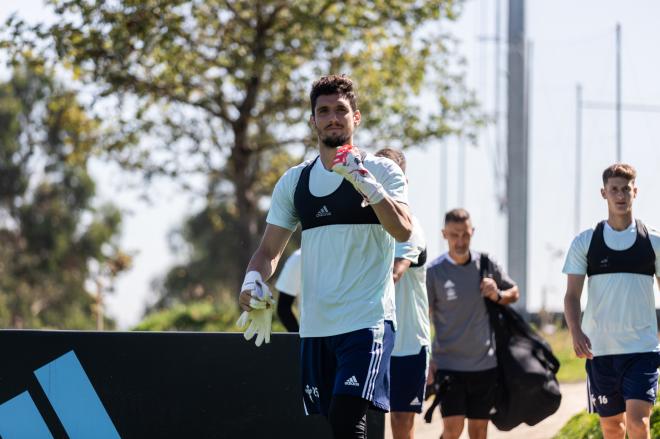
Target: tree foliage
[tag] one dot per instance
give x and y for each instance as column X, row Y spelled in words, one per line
column 211, row 269
column 220, row 87
column 53, row 239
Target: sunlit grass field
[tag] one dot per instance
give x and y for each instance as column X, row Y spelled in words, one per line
column 572, row 368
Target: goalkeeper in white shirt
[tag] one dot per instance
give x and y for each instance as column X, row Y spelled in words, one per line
column 351, row 207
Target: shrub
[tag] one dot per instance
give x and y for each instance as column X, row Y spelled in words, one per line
column 581, row 426
column 201, row 316
column 587, row 426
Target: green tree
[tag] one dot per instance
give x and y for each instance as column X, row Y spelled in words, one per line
column 211, row 269
column 219, row 87
column 51, row 234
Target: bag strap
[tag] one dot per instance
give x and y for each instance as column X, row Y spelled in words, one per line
column 493, row 309
column 484, row 272
column 484, row 262
column 439, row 388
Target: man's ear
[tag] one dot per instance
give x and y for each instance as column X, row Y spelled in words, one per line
column 602, row 193
column 357, row 117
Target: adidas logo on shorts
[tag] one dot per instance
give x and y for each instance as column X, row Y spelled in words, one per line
column 352, row 381
column 323, row 212
column 415, row 401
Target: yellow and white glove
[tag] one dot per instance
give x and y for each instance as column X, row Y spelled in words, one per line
column 262, row 304
column 348, row 164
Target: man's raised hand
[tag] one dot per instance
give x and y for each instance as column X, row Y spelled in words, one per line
column 348, row 163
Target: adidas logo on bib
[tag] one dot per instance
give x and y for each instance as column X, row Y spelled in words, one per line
column 323, row 212
column 352, row 381
column 415, row 401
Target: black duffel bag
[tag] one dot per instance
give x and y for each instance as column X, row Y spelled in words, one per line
column 528, row 391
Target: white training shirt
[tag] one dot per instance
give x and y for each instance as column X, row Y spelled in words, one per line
column 412, row 303
column 347, row 269
column 620, row 314
column 290, row 281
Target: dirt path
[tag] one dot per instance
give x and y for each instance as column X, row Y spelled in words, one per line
column 573, row 401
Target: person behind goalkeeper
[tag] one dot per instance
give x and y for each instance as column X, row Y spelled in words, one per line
column 351, row 207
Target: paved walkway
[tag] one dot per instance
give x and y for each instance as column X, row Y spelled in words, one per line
column 573, row 401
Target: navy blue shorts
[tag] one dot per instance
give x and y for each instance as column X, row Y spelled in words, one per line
column 614, row 379
column 356, row 363
column 408, row 377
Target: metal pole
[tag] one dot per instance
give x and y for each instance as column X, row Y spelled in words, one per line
column 517, row 150
column 461, row 173
column 498, row 56
column 618, row 92
column 578, row 157
column 443, row 189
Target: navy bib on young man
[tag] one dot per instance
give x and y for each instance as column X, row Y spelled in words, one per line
column 343, row 206
column 638, row 259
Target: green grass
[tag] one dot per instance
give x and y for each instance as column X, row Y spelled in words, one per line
column 581, row 426
column 587, row 426
column 572, row 368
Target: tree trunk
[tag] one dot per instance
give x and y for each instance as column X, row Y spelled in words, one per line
column 245, row 169
column 243, row 176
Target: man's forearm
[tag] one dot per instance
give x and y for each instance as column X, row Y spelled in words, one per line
column 400, row 267
column 572, row 311
column 260, row 263
column 509, row 296
column 394, row 217
column 268, row 254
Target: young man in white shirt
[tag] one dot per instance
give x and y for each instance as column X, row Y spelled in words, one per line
column 410, row 356
column 618, row 334
column 352, row 207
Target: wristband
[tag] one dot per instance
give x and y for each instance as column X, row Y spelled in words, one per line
column 251, row 277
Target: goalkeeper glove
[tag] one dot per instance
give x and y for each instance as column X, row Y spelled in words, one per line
column 348, row 164
column 261, row 315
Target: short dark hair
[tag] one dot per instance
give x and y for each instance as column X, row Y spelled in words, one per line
column 333, row 84
column 622, row 170
column 395, row 155
column 458, row 215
